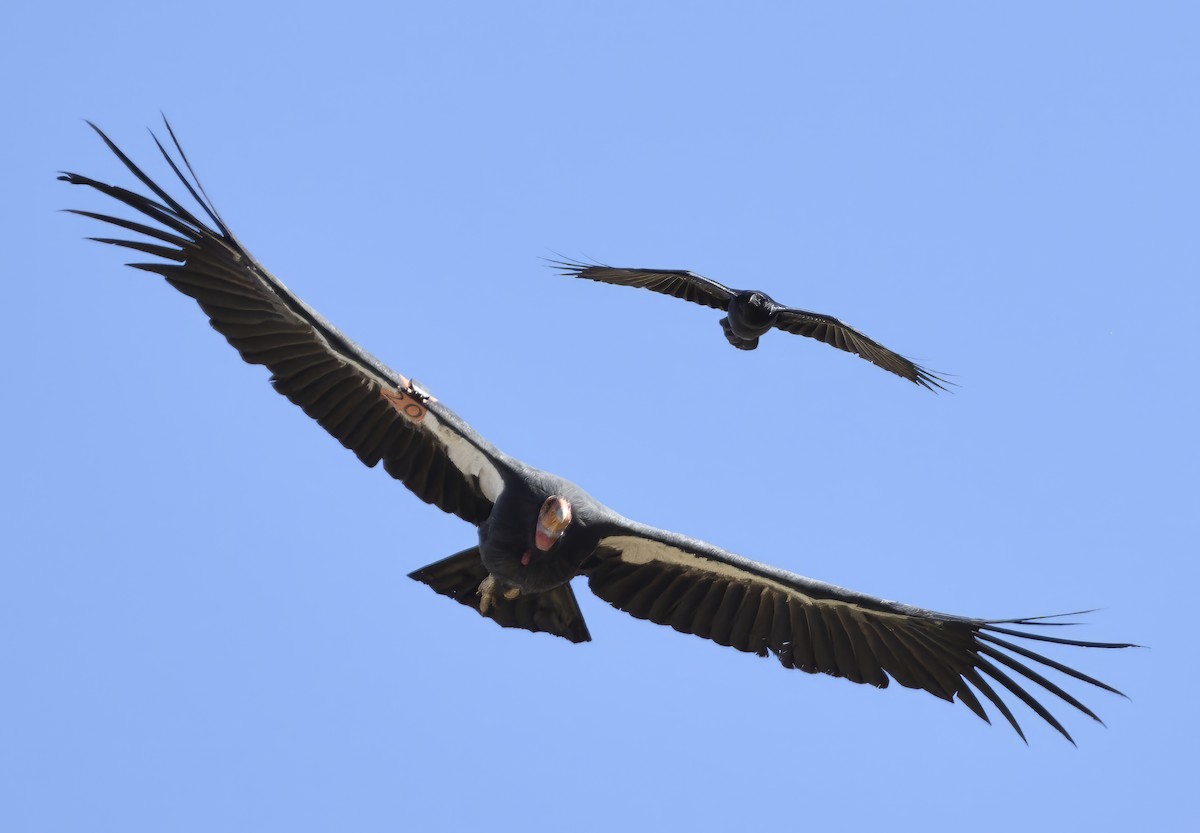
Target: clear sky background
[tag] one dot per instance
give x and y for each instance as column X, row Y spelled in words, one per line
column 205, row 619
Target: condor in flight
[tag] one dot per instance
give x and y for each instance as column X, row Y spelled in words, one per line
column 752, row 313
column 537, row 531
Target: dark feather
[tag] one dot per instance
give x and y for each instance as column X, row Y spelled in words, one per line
column 838, row 334
column 824, row 628
column 345, row 389
column 677, row 283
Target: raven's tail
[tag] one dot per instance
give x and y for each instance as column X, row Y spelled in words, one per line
column 736, row 340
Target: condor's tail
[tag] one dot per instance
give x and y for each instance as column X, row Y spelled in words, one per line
column 553, row 611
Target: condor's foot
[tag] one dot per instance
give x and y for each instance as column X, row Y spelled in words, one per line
column 488, row 592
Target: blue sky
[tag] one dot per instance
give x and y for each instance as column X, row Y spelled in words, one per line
column 206, row 619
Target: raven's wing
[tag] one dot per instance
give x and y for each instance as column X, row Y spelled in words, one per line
column 372, row 410
column 700, row 589
column 675, row 282
column 555, row 611
column 841, row 335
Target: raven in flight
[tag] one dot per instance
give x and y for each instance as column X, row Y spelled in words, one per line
column 752, row 313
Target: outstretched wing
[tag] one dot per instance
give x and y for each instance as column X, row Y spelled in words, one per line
column 555, row 611
column 676, row 282
column 821, row 628
column 844, row 337
column 372, row 410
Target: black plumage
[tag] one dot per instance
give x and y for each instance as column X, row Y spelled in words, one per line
column 537, row 531
column 751, row 314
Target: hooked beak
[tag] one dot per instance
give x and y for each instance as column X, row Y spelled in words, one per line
column 553, row 520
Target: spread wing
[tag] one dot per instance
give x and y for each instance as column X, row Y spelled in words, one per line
column 372, row 410
column 675, row 282
column 821, row 628
column 844, row 337
column 555, row 611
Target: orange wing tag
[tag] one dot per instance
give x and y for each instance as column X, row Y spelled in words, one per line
column 404, row 402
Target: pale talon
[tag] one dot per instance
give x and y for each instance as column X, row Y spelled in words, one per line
column 487, row 593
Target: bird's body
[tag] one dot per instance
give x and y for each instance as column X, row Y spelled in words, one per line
column 537, row 531
column 507, row 539
column 752, row 313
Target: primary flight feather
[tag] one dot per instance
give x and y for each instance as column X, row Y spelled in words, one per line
column 537, row 531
